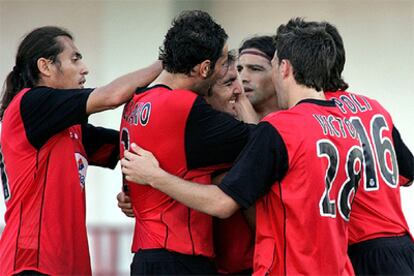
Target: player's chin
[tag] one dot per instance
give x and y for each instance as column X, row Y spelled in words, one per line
column 249, row 94
column 233, row 112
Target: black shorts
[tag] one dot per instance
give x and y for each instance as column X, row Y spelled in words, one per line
column 384, row 256
column 30, row 273
column 164, row 262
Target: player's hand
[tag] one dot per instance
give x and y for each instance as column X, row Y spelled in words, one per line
column 244, row 109
column 124, row 203
column 139, row 165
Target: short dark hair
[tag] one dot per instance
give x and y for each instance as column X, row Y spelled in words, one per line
column 336, row 81
column 193, row 38
column 231, row 57
column 311, row 52
column 263, row 43
column 40, row 43
column 231, row 60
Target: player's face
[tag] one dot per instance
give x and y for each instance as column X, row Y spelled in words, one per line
column 225, row 91
column 256, row 74
column 221, row 66
column 219, row 71
column 278, row 84
column 69, row 71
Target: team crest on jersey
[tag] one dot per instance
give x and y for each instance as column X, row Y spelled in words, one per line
column 137, row 113
column 82, row 165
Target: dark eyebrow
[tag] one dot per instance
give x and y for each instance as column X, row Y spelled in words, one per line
column 229, row 80
column 256, row 66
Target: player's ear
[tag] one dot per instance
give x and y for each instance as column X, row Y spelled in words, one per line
column 205, row 68
column 285, row 68
column 45, row 66
column 202, row 69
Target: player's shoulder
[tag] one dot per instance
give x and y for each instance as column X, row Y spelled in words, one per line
column 284, row 119
column 273, row 116
column 341, row 94
column 37, row 92
column 165, row 97
column 163, row 91
column 356, row 99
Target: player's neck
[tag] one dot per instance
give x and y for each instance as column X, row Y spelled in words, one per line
column 302, row 92
column 174, row 81
column 269, row 106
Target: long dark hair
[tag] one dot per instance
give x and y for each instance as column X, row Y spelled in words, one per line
column 39, row 43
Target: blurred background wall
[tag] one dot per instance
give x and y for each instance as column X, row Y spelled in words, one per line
column 117, row 36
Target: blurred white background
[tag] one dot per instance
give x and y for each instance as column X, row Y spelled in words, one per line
column 116, row 37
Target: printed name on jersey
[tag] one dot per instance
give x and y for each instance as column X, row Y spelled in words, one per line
column 139, row 112
column 336, row 126
column 82, row 165
column 352, row 104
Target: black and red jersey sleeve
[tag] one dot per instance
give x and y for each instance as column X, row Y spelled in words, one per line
column 262, row 162
column 404, row 158
column 213, row 137
column 46, row 111
column 101, row 145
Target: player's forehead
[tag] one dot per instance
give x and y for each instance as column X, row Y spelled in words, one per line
column 253, row 57
column 231, row 74
column 224, row 53
column 68, row 46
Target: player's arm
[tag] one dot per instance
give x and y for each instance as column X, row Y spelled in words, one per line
column 101, row 145
column 143, row 168
column 249, row 214
column 262, row 162
column 405, row 159
column 213, row 137
column 216, row 179
column 46, row 111
column 121, row 89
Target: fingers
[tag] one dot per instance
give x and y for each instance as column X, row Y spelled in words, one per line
column 127, row 206
column 126, row 170
column 126, row 166
column 120, row 196
column 125, row 162
column 129, row 155
column 129, row 214
column 138, row 150
column 124, row 203
column 135, row 151
column 128, row 211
